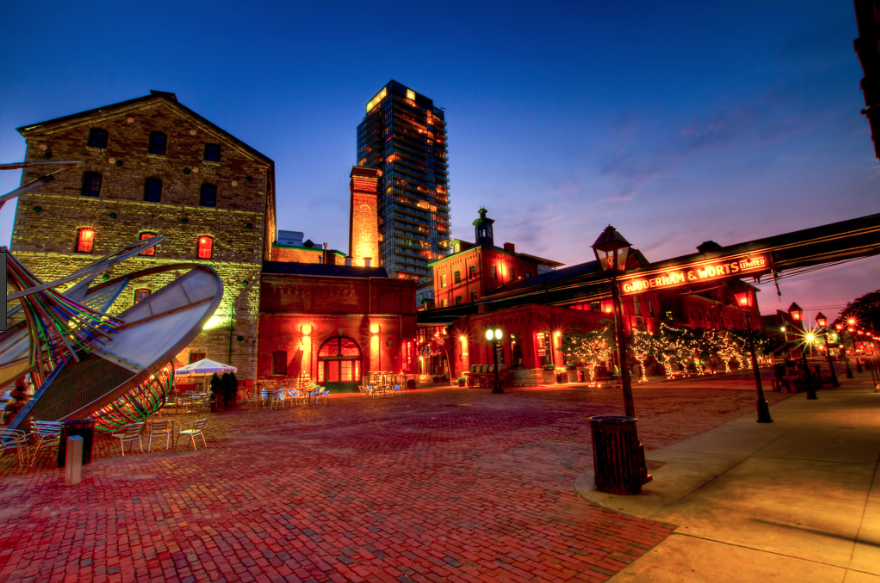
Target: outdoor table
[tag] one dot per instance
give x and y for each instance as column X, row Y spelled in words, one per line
column 82, row 427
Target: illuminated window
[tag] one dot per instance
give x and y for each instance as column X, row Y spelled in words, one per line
column 97, row 138
column 152, row 249
column 91, row 184
column 473, row 271
column 206, row 247
column 457, row 276
column 85, row 240
column 410, row 94
column 494, row 272
column 208, row 196
column 443, row 303
column 279, row 362
column 158, row 141
column 153, row 190
column 443, row 281
column 212, row 152
column 197, row 356
column 140, row 295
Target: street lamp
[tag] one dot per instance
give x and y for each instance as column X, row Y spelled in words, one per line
column 611, row 251
column 842, row 344
column 823, row 323
column 746, row 300
column 797, row 314
column 852, row 342
column 495, row 335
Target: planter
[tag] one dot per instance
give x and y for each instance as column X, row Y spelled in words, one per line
column 461, row 383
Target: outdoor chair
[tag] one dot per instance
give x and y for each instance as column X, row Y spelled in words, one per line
column 159, row 428
column 397, row 391
column 14, row 439
column 48, row 434
column 252, row 397
column 132, row 432
column 193, row 429
column 321, row 395
column 277, row 399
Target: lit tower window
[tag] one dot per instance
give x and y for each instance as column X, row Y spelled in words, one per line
column 85, row 240
column 151, row 250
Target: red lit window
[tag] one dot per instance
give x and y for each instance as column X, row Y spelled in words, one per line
column 206, row 247
column 140, row 295
column 196, row 356
column 85, row 240
column 151, row 250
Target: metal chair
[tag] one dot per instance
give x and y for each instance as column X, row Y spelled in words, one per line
column 132, row 432
column 159, row 428
column 48, row 434
column 195, row 428
column 252, row 397
column 14, row 439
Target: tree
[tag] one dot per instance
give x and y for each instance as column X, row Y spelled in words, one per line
column 674, row 345
column 591, row 348
column 643, row 345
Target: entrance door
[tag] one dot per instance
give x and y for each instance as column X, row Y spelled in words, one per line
column 339, row 364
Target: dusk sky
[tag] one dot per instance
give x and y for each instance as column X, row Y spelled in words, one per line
column 675, row 122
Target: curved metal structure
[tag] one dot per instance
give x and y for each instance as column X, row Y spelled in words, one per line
column 121, row 374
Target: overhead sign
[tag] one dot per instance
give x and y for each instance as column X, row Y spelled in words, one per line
column 695, row 273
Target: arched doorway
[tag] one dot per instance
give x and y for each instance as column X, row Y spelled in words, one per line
column 339, row 364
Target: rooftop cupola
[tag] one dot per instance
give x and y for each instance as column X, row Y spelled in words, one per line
column 483, row 229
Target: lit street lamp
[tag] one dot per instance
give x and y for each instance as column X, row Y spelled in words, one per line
column 823, row 323
column 495, row 335
column 744, row 300
column 852, row 342
column 839, row 327
column 797, row 314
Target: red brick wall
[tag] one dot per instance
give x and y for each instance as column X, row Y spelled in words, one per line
column 363, row 234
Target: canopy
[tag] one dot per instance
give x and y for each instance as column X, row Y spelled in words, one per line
column 204, row 367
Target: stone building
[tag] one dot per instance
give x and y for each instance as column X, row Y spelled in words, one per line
column 153, row 167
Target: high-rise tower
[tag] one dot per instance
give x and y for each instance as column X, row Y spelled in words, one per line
column 404, row 135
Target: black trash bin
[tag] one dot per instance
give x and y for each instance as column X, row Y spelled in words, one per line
column 81, row 427
column 618, row 457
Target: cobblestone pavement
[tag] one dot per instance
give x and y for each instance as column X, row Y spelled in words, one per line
column 436, row 485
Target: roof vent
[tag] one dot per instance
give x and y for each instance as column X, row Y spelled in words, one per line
column 707, row 246
column 163, row 94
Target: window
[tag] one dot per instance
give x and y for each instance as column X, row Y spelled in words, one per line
column 512, row 274
column 140, row 295
column 651, row 307
column 443, row 281
column 212, row 152
column 151, row 250
column 637, row 309
column 208, row 196
column 85, row 240
column 595, row 307
column 457, row 300
column 494, row 272
column 206, row 247
column 158, row 141
column 196, row 356
column 279, row 362
column 473, row 271
column 528, row 274
column 153, row 190
column 443, row 303
column 473, row 296
column 91, row 184
column 457, row 276
column 97, row 138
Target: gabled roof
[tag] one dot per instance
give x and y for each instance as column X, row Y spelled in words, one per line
column 321, row 269
column 132, row 105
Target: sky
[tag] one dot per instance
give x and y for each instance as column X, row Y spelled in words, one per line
column 676, row 122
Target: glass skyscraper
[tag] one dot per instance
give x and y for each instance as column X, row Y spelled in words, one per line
column 404, row 135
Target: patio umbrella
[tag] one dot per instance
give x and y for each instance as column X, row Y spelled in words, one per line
column 204, row 367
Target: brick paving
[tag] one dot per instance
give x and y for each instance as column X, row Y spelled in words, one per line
column 436, row 485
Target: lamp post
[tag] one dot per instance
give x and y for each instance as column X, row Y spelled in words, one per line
column 797, row 314
column 746, row 300
column 839, row 327
column 823, row 323
column 851, row 328
column 494, row 336
column 611, row 251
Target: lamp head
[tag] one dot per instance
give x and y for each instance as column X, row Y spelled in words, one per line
column 611, row 250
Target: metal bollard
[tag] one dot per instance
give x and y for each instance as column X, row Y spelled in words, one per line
column 73, row 460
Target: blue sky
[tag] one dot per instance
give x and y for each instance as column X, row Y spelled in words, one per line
column 675, row 122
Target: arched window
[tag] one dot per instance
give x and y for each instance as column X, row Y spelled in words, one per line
column 206, row 247
column 153, row 190
column 158, row 141
column 151, row 250
column 339, row 360
column 97, row 138
column 279, row 362
column 140, row 295
column 85, row 240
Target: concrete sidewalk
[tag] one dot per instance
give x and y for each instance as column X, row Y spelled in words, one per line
column 793, row 500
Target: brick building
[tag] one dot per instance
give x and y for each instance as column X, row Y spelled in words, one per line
column 151, row 166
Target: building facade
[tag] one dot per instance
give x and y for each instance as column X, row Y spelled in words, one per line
column 404, row 135
column 152, row 167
